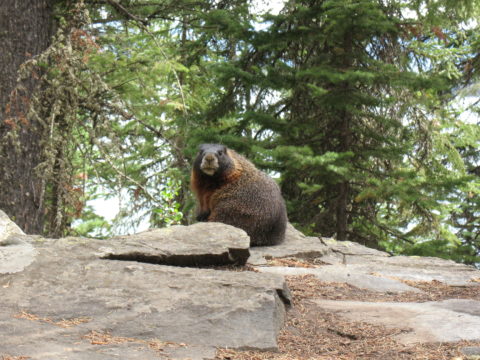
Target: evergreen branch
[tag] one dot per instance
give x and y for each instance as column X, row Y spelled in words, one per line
column 142, row 23
column 159, row 134
column 122, row 173
column 121, row 9
column 392, row 232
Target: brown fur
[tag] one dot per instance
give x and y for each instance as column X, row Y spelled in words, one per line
column 238, row 194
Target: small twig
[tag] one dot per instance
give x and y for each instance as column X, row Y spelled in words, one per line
column 120, row 8
column 143, row 25
column 123, row 173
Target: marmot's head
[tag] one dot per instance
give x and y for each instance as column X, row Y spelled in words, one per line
column 213, row 159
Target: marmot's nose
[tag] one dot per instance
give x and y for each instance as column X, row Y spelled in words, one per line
column 209, row 158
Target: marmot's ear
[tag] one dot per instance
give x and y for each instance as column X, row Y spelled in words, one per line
column 224, row 149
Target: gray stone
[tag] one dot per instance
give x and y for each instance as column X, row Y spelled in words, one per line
column 77, row 280
column 344, row 274
column 8, row 227
column 143, row 301
column 471, row 352
column 295, row 245
column 55, row 293
column 346, row 248
column 360, row 266
column 463, row 306
column 15, row 254
column 363, row 260
column 443, row 321
column 201, row 244
column 188, row 352
column 419, row 269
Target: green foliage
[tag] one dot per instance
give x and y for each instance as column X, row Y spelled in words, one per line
column 169, row 212
column 72, row 105
column 163, row 74
column 92, row 225
column 351, row 104
column 355, row 103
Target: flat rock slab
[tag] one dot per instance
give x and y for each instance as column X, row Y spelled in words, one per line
column 349, row 248
column 344, row 274
column 442, row 321
column 71, row 298
column 415, row 268
column 198, row 245
column 121, row 298
column 201, row 307
column 357, row 265
column 295, row 245
column 362, row 260
column 387, row 275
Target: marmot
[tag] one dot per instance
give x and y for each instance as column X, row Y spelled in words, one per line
column 231, row 190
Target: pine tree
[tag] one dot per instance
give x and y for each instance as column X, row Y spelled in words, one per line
column 26, row 31
column 351, row 101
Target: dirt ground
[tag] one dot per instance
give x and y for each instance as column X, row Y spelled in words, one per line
column 313, row 333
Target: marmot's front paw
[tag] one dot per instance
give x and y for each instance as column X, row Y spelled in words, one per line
column 203, row 216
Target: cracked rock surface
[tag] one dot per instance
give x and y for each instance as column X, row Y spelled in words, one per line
column 435, row 321
column 198, row 245
column 180, row 292
column 74, row 299
column 345, row 262
column 357, row 265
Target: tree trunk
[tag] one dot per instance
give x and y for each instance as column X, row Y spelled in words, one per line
column 345, row 142
column 342, row 213
column 26, row 28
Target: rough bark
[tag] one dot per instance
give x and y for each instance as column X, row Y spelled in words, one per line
column 345, row 143
column 26, row 28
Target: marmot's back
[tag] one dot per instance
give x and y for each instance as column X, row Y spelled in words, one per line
column 231, row 190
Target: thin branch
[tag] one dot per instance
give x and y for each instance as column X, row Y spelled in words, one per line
column 123, row 173
column 143, row 25
column 121, row 9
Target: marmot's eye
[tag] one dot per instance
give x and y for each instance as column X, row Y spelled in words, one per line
column 220, row 152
